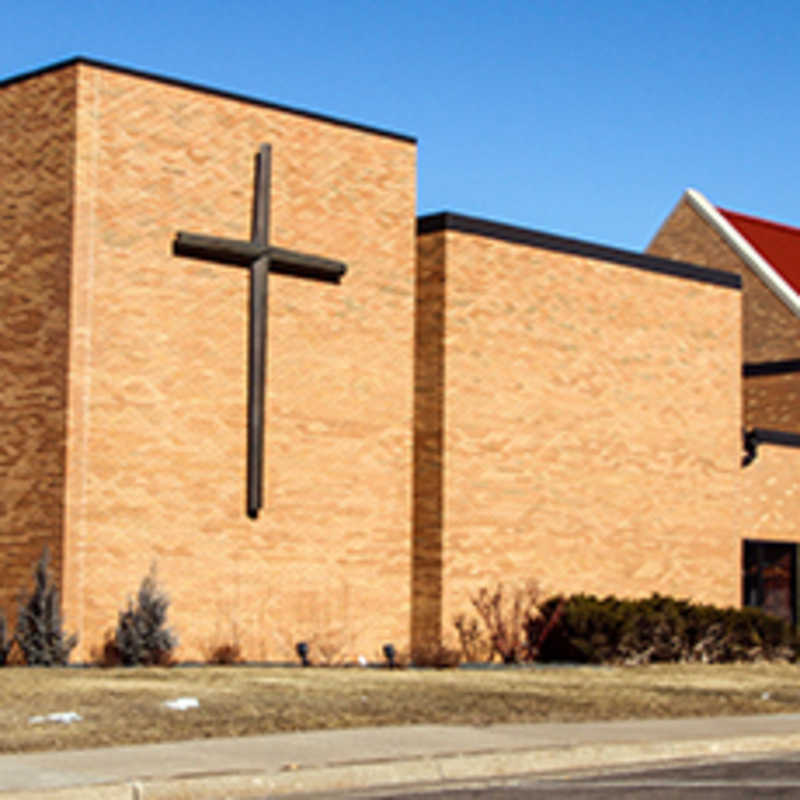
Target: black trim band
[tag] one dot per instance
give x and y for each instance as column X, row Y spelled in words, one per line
column 783, row 438
column 758, row 436
column 771, row 368
column 447, row 221
column 137, row 73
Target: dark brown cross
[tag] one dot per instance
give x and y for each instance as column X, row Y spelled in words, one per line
column 261, row 258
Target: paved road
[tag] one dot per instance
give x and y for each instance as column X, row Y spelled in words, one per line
column 773, row 777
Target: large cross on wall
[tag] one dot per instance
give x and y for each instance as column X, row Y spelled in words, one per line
column 261, row 258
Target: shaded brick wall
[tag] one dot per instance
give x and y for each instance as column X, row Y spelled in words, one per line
column 591, row 427
column 157, row 390
column 773, row 401
column 429, row 411
column 770, row 331
column 37, row 127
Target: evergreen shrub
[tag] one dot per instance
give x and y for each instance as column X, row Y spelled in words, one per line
column 609, row 630
column 5, row 644
column 141, row 636
column 39, row 630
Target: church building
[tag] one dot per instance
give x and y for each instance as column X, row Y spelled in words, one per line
column 228, row 347
column 767, row 257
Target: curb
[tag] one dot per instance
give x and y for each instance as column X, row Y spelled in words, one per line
column 435, row 769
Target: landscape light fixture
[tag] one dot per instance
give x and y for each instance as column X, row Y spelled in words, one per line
column 302, row 651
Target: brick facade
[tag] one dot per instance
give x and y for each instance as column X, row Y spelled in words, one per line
column 429, row 363
column 37, row 148
column 771, row 488
column 770, row 485
column 590, row 433
column 152, row 365
column 770, row 331
column 472, row 403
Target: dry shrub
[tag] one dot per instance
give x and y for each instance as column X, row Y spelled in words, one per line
column 224, row 650
column 511, row 624
column 225, row 654
column 539, row 627
column 475, row 645
column 432, row 654
column 107, row 653
column 15, row 657
column 328, row 648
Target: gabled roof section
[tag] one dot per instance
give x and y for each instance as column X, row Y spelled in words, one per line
column 778, row 244
column 771, row 250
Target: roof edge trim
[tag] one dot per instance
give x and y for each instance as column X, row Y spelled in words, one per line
column 755, row 369
column 783, row 438
column 449, row 221
column 199, row 87
column 745, row 250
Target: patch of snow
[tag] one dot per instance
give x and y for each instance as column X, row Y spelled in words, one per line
column 59, row 716
column 182, row 703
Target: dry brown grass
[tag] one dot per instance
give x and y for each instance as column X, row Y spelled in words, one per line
column 126, row 705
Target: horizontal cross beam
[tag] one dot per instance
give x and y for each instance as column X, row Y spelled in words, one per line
column 243, row 253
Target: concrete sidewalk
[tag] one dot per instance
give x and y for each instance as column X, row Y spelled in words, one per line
column 319, row 761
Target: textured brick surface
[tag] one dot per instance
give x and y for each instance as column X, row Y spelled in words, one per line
column 770, row 331
column 532, row 414
column 773, row 401
column 591, row 425
column 37, row 127
column 429, row 412
column 771, row 487
column 155, row 467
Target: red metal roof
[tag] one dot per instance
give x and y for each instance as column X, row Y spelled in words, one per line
column 778, row 244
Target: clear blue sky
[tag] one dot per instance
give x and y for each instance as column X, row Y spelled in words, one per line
column 583, row 117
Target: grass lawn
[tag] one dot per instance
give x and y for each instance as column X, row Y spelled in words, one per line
column 124, row 706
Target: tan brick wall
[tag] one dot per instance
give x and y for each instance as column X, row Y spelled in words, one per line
column 36, row 194
column 770, row 331
column 771, row 489
column 157, row 380
column 591, row 434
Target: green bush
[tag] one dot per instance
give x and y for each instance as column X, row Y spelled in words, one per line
column 592, row 630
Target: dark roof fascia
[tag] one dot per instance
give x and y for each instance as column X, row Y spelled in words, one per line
column 197, row 87
column 754, row 369
column 447, row 221
column 783, row 438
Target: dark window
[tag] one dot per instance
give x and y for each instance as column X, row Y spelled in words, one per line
column 769, row 577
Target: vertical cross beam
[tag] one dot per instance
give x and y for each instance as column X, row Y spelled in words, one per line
column 260, row 258
column 257, row 358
